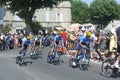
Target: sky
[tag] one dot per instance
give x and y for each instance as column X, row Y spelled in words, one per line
column 90, row 1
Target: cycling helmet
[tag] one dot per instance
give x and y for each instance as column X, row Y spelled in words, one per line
column 60, row 32
column 88, row 34
column 28, row 37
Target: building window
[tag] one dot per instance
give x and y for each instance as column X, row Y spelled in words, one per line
column 47, row 16
column 58, row 17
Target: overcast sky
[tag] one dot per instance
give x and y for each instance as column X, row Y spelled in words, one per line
column 90, row 1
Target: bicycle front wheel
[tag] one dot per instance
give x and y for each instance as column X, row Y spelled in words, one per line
column 49, row 58
column 106, row 69
column 83, row 63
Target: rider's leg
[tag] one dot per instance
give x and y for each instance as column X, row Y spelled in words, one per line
column 116, row 64
column 76, row 53
column 100, row 56
column 51, row 51
column 41, row 44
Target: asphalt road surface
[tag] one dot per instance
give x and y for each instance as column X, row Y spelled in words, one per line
column 41, row 70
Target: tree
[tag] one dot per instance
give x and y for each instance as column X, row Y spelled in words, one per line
column 80, row 11
column 35, row 26
column 26, row 8
column 7, row 28
column 104, row 11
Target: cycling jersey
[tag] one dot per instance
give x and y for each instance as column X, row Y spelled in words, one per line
column 36, row 40
column 58, row 40
column 84, row 41
column 24, row 40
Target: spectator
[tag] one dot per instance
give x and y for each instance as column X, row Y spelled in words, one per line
column 64, row 36
column 113, row 41
column 118, row 45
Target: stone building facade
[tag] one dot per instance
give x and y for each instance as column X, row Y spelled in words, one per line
column 59, row 16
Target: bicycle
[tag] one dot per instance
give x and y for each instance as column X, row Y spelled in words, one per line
column 55, row 57
column 34, row 53
column 21, row 57
column 107, row 68
column 82, row 61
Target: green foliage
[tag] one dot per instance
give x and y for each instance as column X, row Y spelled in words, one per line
column 50, row 30
column 99, row 12
column 6, row 29
column 104, row 11
column 80, row 11
column 35, row 26
column 27, row 8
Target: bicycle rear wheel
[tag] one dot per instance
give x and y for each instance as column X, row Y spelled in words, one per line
column 56, row 58
column 17, row 59
column 71, row 60
column 106, row 69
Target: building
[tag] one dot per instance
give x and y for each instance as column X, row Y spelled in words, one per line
column 59, row 16
column 1, row 16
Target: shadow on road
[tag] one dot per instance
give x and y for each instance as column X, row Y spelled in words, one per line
column 27, row 62
column 118, row 74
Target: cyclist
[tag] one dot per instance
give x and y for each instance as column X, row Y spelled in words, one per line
column 24, row 45
column 83, row 41
column 113, row 46
column 36, row 43
column 57, row 41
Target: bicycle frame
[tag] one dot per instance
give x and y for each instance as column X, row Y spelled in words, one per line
column 55, row 51
column 82, row 54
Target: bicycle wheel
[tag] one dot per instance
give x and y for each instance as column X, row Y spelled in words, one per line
column 71, row 60
column 17, row 59
column 83, row 63
column 56, row 58
column 20, row 61
column 106, row 69
column 34, row 55
column 49, row 58
column 88, row 58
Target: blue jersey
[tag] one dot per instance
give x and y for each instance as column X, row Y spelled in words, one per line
column 24, row 40
column 58, row 39
column 80, row 39
column 84, row 40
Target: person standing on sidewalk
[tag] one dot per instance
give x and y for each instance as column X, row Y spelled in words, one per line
column 113, row 45
column 118, row 44
column 64, row 36
column 98, row 43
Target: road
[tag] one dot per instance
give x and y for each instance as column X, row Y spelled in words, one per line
column 41, row 70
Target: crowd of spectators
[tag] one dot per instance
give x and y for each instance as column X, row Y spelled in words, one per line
column 10, row 41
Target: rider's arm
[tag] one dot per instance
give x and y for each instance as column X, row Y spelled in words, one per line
column 54, row 42
column 99, row 40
